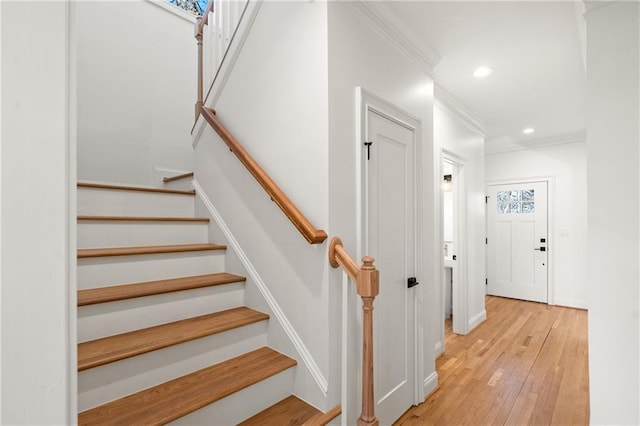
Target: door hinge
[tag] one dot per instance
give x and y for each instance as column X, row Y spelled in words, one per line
column 486, row 281
column 412, row 282
column 486, row 241
column 486, row 199
column 368, row 145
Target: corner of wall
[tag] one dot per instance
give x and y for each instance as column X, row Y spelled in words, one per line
column 477, row 319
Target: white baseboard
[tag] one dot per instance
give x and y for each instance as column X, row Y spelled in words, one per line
column 571, row 303
column 430, row 384
column 438, row 348
column 297, row 342
column 477, row 319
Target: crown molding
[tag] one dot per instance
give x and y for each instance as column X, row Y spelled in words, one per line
column 445, row 101
column 541, row 143
column 386, row 24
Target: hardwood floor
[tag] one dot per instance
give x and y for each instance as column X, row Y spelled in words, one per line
column 525, row 365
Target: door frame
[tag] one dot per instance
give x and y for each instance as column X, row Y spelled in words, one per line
column 365, row 102
column 460, row 290
column 551, row 236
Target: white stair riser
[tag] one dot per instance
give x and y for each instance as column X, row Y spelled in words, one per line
column 242, row 404
column 106, row 202
column 94, row 234
column 108, row 382
column 107, row 319
column 115, row 270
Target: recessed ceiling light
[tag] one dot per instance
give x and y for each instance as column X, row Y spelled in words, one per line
column 528, row 130
column 481, row 72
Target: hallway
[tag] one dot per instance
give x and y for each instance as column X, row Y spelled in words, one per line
column 526, row 365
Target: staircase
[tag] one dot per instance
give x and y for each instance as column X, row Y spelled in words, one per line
column 164, row 334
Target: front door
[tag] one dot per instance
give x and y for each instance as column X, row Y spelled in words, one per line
column 517, row 241
column 390, row 221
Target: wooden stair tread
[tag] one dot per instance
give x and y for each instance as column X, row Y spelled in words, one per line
column 149, row 288
column 127, row 251
column 114, row 348
column 291, row 411
column 144, row 219
column 135, row 188
column 323, row 419
column 176, row 398
column 168, row 179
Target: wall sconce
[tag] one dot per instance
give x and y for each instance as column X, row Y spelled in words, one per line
column 447, row 185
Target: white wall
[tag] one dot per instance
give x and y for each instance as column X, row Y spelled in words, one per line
column 275, row 103
column 35, row 210
column 359, row 55
column 455, row 136
column 136, row 90
column 613, row 178
column 566, row 165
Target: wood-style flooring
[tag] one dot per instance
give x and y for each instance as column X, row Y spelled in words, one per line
column 525, row 365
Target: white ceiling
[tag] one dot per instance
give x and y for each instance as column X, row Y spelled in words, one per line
column 535, row 48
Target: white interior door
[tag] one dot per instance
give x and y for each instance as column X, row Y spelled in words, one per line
column 390, row 221
column 517, row 241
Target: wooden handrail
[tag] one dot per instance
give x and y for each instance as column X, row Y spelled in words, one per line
column 308, row 231
column 338, row 256
column 367, row 279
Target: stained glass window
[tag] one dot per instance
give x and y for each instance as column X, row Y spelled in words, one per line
column 197, row 7
column 516, row 202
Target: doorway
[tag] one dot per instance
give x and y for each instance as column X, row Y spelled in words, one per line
column 453, row 247
column 389, row 156
column 517, row 241
column 449, row 230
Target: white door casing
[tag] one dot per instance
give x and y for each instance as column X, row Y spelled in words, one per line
column 517, row 246
column 390, row 237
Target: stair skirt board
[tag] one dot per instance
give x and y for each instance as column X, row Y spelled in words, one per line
column 312, row 371
column 133, row 203
column 108, row 382
column 107, row 319
column 129, row 233
column 102, row 272
column 243, row 404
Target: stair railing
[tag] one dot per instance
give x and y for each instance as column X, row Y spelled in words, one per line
column 214, row 30
column 366, row 279
column 308, row 231
column 199, row 31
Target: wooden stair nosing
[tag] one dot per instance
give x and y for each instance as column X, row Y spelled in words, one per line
column 322, row 419
column 149, row 288
column 168, row 179
column 142, row 219
column 129, row 251
column 171, row 400
column 114, row 348
column 291, row 411
column 135, row 188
